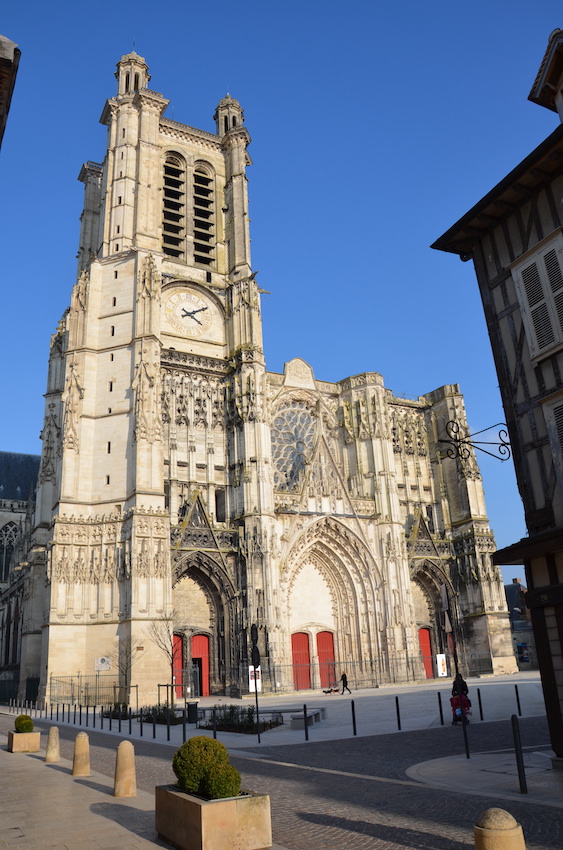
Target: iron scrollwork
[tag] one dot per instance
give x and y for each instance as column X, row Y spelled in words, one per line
column 461, row 443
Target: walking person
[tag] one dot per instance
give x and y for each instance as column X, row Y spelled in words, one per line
column 459, row 686
column 344, row 680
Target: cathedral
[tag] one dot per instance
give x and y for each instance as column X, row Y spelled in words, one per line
column 186, row 494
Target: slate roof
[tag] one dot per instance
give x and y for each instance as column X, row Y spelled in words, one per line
column 18, row 475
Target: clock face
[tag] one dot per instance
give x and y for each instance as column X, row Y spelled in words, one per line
column 188, row 313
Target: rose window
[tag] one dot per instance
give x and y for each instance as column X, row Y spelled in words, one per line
column 293, row 432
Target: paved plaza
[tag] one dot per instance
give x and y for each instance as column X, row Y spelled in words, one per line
column 381, row 788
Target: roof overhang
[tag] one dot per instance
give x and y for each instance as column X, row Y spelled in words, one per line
column 530, row 547
column 548, row 80
column 536, row 170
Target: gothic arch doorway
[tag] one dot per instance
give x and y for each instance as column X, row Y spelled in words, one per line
column 333, row 598
column 426, row 582
column 203, row 601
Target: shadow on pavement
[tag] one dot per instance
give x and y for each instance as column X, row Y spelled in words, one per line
column 402, row 836
column 137, row 822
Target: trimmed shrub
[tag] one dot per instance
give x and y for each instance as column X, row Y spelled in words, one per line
column 202, row 767
column 23, row 723
column 224, row 782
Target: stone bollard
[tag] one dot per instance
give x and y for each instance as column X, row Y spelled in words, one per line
column 497, row 830
column 53, row 751
column 125, row 783
column 81, row 760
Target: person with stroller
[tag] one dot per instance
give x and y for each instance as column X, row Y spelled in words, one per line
column 460, row 702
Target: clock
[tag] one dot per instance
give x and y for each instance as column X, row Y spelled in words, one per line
column 188, row 313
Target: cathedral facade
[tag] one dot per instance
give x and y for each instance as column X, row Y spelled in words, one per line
column 185, row 493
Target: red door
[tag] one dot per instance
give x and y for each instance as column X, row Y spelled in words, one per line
column 200, row 657
column 325, row 651
column 178, row 664
column 301, row 661
column 426, row 651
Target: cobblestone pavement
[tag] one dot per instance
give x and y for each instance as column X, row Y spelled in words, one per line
column 355, row 793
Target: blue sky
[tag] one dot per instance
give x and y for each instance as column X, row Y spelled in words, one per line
column 375, row 126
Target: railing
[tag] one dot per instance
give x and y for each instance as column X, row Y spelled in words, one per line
column 89, row 689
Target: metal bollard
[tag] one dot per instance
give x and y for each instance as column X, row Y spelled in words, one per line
column 518, row 701
column 498, row 830
column 480, row 704
column 354, row 718
column 398, row 713
column 519, row 756
column 440, row 708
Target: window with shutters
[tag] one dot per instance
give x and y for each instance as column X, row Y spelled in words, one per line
column 174, row 211
column 553, row 413
column 204, row 216
column 539, row 284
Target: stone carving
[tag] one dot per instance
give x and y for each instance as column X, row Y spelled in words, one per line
column 147, row 399
column 51, row 436
column 71, row 397
column 298, row 373
column 149, row 281
column 80, row 292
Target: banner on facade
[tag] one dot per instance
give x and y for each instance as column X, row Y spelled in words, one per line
column 441, row 665
column 254, row 683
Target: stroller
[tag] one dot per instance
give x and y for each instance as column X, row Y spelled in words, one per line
column 457, row 715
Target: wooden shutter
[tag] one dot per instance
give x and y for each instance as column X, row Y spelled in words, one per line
column 555, row 278
column 558, row 421
column 538, row 309
column 539, row 282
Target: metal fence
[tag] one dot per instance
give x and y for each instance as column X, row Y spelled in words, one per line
column 91, row 689
column 105, row 689
column 391, row 670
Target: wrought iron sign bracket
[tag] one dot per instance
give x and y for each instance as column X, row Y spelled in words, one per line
column 461, row 443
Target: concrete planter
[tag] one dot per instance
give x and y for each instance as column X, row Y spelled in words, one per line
column 191, row 823
column 24, row 742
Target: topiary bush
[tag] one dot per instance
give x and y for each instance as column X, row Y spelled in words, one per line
column 202, row 767
column 23, row 723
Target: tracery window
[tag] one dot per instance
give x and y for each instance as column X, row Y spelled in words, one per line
column 8, row 537
column 293, row 434
column 173, row 218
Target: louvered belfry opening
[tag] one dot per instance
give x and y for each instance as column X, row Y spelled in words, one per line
column 173, row 223
column 204, row 224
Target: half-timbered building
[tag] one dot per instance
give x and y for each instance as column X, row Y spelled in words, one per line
column 514, row 236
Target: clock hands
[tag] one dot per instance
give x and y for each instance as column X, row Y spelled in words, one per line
column 191, row 313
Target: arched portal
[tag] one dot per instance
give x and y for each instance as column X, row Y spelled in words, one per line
column 203, row 599
column 333, row 599
column 427, row 579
